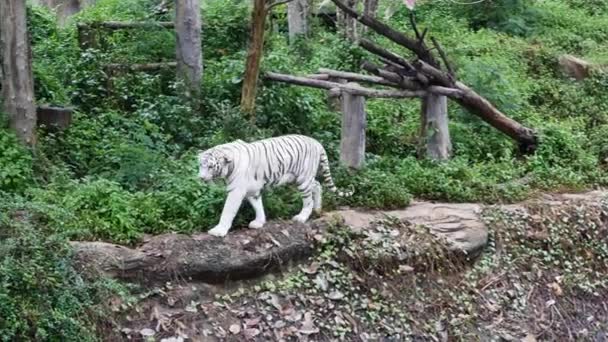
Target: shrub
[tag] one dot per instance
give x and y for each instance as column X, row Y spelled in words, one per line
column 98, row 209
column 15, row 163
column 42, row 296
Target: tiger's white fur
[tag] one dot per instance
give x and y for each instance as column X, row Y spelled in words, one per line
column 250, row 167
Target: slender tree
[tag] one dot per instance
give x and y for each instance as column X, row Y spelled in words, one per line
column 17, row 75
column 188, row 49
column 261, row 8
column 297, row 18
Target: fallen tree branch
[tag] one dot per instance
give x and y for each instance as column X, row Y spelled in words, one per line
column 139, row 67
column 402, row 81
column 356, row 90
column 448, row 66
column 388, row 32
column 121, row 25
column 379, row 51
column 351, row 76
column 276, row 3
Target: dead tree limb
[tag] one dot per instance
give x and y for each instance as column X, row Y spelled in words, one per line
column 351, row 76
column 388, row 32
column 122, row 25
column 444, row 57
column 355, row 90
column 139, row 67
column 429, row 67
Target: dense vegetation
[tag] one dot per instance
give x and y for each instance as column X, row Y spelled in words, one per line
column 126, row 165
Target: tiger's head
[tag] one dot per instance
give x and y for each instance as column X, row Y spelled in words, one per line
column 212, row 164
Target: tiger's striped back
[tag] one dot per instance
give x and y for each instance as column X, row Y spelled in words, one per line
column 283, row 159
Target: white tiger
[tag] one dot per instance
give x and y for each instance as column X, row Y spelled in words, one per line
column 250, row 167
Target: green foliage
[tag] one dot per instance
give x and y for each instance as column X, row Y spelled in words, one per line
column 90, row 209
column 42, row 296
column 130, row 146
column 15, row 163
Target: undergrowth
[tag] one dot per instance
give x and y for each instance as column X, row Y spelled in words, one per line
column 541, row 277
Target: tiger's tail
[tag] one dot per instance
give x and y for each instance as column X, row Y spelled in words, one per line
column 324, row 165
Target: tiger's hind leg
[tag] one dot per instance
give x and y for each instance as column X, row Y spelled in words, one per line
column 258, row 206
column 306, row 188
column 316, row 197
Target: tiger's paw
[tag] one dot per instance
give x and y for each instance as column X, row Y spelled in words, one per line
column 218, row 231
column 256, row 224
column 300, row 218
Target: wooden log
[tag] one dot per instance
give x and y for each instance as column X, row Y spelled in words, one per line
column 125, row 25
column 481, row 107
column 113, row 67
column 354, row 89
column 351, row 76
column 352, row 136
column 434, row 131
column 54, row 118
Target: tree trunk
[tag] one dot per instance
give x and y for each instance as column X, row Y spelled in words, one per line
column 254, row 58
column 350, row 23
column 370, row 8
column 434, row 132
column 188, row 48
column 352, row 141
column 18, row 79
column 297, row 18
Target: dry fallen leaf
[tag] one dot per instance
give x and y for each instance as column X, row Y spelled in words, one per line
column 235, row 328
column 335, row 295
column 529, row 338
column 311, row 269
column 321, row 282
column 251, row 333
column 251, row 322
column 405, row 268
column 556, row 289
column 146, row 332
column 308, row 326
column 274, row 300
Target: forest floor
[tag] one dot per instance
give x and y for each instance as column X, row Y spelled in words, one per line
column 540, row 277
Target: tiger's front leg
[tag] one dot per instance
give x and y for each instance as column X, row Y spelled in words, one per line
column 231, row 207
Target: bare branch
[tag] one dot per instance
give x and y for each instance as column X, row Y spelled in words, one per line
column 415, row 27
column 379, row 51
column 403, row 82
column 388, row 32
column 276, row 3
column 448, row 66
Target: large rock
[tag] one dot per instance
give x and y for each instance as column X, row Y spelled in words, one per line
column 574, row 67
column 459, row 224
